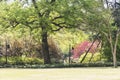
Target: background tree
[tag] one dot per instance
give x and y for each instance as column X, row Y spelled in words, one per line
column 54, row 15
column 36, row 21
column 46, row 16
column 111, row 32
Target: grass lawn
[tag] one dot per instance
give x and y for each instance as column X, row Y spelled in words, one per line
column 61, row 74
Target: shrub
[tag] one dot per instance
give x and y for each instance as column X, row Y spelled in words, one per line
column 33, row 61
column 21, row 61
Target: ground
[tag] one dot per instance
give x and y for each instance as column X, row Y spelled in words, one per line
column 61, row 74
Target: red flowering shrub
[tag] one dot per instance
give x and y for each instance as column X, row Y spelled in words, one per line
column 83, row 47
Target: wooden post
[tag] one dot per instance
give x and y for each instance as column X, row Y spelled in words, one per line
column 6, row 58
column 69, row 53
column 7, row 46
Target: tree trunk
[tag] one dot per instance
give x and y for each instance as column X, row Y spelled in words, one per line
column 114, row 60
column 45, row 48
column 114, row 52
column 91, row 57
column 6, row 54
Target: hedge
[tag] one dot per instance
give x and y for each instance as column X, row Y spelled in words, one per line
column 35, row 66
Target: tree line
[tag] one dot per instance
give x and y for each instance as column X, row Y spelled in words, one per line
column 41, row 18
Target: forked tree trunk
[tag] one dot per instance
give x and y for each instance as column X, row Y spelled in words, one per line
column 115, row 49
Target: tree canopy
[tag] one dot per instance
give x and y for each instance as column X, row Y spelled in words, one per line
column 38, row 20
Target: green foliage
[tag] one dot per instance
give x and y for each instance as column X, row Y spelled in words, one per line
column 36, row 66
column 22, row 23
column 96, row 57
column 21, row 61
column 66, row 39
column 107, row 52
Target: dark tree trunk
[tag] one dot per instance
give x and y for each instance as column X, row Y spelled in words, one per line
column 45, row 48
column 44, row 35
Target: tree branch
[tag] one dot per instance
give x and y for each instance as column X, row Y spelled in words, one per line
column 57, row 29
column 14, row 23
column 59, row 25
column 57, row 18
column 36, row 7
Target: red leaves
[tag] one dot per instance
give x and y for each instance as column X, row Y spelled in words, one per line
column 80, row 49
column 83, row 47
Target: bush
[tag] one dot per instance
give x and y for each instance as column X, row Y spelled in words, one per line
column 20, row 61
column 2, row 61
column 95, row 58
column 33, row 61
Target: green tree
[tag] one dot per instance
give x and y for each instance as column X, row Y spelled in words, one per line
column 48, row 16
column 103, row 25
column 54, row 15
column 112, row 32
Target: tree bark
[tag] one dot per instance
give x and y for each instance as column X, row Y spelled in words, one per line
column 115, row 48
column 44, row 36
column 45, row 48
column 114, row 60
column 6, row 54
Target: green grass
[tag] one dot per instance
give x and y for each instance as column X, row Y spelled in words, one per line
column 61, row 74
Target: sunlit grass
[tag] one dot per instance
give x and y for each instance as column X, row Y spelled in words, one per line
column 61, row 74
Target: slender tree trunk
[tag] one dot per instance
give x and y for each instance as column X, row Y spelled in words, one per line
column 45, row 48
column 91, row 57
column 115, row 49
column 6, row 54
column 114, row 60
column 69, row 54
column 113, row 53
column 101, row 50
